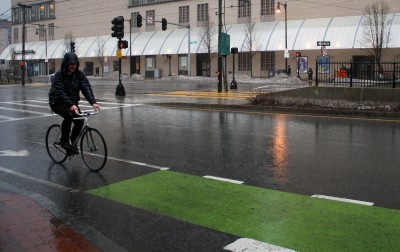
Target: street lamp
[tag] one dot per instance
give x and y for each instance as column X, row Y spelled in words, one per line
column 278, row 11
column 45, row 36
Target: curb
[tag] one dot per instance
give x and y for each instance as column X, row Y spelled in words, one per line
column 289, row 110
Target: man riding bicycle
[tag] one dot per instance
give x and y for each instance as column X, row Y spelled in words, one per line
column 64, row 98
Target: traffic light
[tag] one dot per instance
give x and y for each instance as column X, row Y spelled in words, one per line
column 298, row 54
column 164, row 24
column 122, row 44
column 118, row 27
column 139, row 20
column 72, row 44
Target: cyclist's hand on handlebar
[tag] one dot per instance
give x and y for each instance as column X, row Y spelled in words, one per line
column 96, row 107
column 74, row 109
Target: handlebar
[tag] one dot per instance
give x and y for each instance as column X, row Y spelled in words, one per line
column 85, row 114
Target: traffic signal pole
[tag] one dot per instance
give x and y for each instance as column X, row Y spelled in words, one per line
column 120, row 88
column 219, row 47
column 118, row 32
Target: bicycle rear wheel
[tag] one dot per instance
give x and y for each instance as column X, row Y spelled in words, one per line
column 53, row 147
column 93, row 149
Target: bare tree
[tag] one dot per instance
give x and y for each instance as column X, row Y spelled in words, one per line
column 100, row 53
column 251, row 44
column 207, row 42
column 376, row 28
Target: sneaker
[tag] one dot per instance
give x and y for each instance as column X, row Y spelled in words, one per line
column 66, row 145
column 75, row 150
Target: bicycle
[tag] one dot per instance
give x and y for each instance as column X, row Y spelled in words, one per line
column 93, row 147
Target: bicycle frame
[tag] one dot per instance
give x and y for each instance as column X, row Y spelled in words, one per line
column 86, row 116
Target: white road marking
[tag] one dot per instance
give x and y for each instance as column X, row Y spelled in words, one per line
column 249, row 245
column 27, row 105
column 7, row 117
column 10, row 153
column 23, row 110
column 343, row 200
column 139, row 163
column 224, row 179
column 38, row 180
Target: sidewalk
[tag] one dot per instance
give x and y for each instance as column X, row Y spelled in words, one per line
column 27, row 226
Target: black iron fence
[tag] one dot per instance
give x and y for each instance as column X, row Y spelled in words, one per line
column 358, row 74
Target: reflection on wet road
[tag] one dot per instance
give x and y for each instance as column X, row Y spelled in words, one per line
column 162, row 158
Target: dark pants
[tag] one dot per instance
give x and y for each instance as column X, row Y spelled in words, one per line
column 68, row 116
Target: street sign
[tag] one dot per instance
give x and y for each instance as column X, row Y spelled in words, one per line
column 119, row 53
column 323, row 43
column 225, row 44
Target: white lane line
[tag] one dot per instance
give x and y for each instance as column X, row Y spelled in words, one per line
column 343, row 200
column 250, row 245
column 139, row 163
column 7, row 117
column 27, row 105
column 24, row 118
column 11, row 153
column 22, row 110
column 38, row 180
column 224, row 179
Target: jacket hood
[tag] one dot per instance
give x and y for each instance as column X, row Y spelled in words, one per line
column 69, row 58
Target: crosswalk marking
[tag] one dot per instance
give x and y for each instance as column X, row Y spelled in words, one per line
column 23, row 106
column 23, row 110
column 27, row 105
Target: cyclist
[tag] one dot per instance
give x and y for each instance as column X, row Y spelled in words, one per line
column 64, row 97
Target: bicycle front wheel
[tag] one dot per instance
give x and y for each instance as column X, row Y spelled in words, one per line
column 93, row 149
column 53, row 147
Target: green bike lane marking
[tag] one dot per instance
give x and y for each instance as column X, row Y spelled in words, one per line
column 284, row 219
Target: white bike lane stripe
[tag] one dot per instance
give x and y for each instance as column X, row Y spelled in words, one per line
column 38, row 180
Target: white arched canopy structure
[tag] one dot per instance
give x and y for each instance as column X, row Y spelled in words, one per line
column 342, row 32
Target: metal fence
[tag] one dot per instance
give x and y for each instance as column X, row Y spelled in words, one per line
column 358, row 74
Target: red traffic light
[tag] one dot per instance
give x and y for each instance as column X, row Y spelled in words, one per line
column 298, row 54
column 123, row 44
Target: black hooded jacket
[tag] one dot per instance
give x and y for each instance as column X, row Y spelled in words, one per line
column 65, row 88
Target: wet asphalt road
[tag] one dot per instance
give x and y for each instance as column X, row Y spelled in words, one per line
column 342, row 157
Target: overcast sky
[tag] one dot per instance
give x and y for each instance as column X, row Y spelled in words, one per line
column 4, row 6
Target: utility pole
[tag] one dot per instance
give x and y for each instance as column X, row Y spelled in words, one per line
column 23, row 66
column 219, row 46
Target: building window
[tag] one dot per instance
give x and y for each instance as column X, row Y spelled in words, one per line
column 50, row 31
column 150, row 17
column 184, row 14
column 42, row 33
column 244, row 8
column 16, row 15
column 134, row 19
column 52, row 10
column 115, row 65
column 150, row 63
column 16, row 38
column 244, row 61
column 35, row 13
column 202, row 12
column 267, row 7
column 39, row 11
column 267, row 61
column 183, row 65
